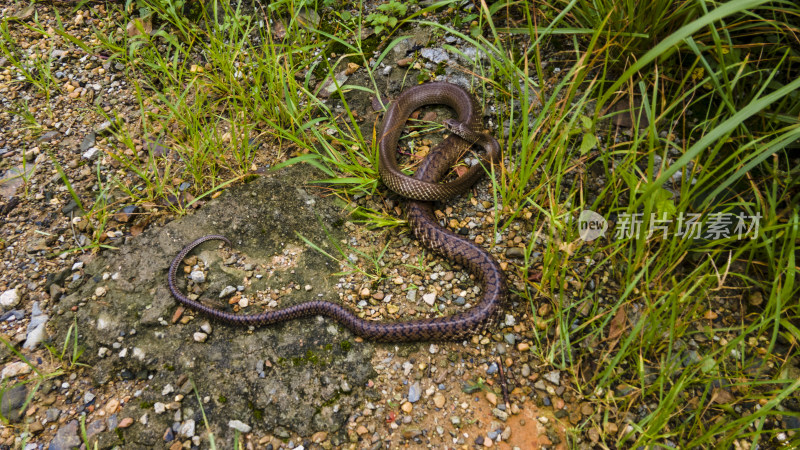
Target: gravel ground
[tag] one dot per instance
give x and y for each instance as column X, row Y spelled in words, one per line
column 438, row 394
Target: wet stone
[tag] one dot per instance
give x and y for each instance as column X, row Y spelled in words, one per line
column 12, row 401
column 515, row 253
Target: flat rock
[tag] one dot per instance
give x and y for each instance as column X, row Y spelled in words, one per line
column 300, row 391
column 67, row 437
column 49, row 136
column 436, row 55
column 15, row 369
column 88, row 141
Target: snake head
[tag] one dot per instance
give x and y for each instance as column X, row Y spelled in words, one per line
column 453, row 126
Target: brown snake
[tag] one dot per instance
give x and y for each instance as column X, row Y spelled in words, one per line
column 426, row 228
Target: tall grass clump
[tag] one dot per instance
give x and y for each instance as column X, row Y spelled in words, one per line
column 712, row 95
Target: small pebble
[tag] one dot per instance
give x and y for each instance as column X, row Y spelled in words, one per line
column 439, row 400
column 414, row 392
column 239, row 425
column 125, row 422
column 197, row 276
column 226, row 291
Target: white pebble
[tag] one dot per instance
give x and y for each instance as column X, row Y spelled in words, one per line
column 15, row 369
column 9, row 298
column 159, row 407
column 187, row 428
column 239, row 425
column 226, row 291
column 138, row 353
column 200, row 337
column 197, row 276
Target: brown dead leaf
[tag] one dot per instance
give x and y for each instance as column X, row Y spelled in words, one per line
column 135, row 26
column 429, row 116
column 616, row 327
column 279, row 30
column 535, row 276
column 139, row 226
column 721, row 396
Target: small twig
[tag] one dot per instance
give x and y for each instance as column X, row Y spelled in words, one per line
column 503, row 383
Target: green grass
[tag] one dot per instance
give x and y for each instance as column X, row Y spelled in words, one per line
column 719, row 92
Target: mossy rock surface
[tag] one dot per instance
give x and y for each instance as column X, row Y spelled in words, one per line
column 289, row 375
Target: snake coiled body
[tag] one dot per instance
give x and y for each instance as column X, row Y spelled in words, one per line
column 423, row 188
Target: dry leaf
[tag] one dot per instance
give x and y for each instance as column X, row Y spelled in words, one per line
column 616, row 327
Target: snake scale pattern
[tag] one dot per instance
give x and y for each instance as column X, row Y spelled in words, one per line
column 422, row 188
